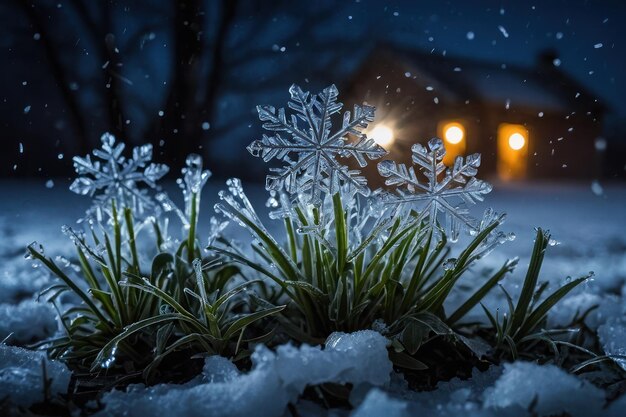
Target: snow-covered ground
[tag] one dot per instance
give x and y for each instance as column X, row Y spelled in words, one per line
column 591, row 233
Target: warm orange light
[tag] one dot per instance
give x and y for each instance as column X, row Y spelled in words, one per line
column 512, row 151
column 453, row 133
column 517, row 141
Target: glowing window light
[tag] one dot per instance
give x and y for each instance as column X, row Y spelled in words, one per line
column 517, row 141
column 453, row 133
column 383, row 135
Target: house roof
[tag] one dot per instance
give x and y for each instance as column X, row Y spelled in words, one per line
column 543, row 85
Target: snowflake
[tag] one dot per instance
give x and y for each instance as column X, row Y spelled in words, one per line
column 446, row 191
column 114, row 177
column 317, row 170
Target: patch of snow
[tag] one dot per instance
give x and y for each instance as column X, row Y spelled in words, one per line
column 27, row 321
column 377, row 403
column 18, row 280
column 548, row 389
column 276, row 379
column 612, row 336
column 21, row 375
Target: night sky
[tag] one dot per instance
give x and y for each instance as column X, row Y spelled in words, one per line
column 265, row 47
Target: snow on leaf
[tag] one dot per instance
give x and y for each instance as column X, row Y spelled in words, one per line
column 306, row 135
column 445, row 191
column 111, row 176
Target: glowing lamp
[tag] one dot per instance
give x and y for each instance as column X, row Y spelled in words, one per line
column 513, row 143
column 383, row 135
column 517, row 141
column 454, row 137
column 453, row 133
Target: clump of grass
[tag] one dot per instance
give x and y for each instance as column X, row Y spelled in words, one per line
column 132, row 314
column 339, row 277
column 523, row 327
column 345, row 265
column 106, row 306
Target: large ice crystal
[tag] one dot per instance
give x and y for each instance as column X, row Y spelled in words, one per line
column 445, row 191
column 114, row 177
column 316, row 170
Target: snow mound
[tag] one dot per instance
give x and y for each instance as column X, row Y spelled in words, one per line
column 27, row 321
column 612, row 336
column 276, row 379
column 19, row 280
column 377, row 403
column 548, row 389
column 21, row 375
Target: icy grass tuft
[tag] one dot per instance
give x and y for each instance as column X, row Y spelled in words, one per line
column 276, row 379
column 21, row 375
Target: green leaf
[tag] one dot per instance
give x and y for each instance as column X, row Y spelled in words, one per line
column 341, row 233
column 471, row 302
column 532, row 275
column 249, row 319
column 413, row 335
column 160, row 263
column 433, row 322
column 540, row 312
column 108, row 350
column 403, row 360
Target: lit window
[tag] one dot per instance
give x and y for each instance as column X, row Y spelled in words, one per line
column 453, row 134
column 517, row 141
column 512, row 151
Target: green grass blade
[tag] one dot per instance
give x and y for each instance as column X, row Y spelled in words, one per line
column 471, row 302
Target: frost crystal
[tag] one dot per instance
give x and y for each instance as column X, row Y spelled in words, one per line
column 446, row 191
column 317, row 170
column 114, row 177
column 192, row 182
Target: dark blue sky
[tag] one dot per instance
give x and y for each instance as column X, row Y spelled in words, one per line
column 268, row 46
column 590, row 36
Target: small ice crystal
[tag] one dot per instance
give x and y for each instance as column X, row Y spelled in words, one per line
column 446, row 190
column 115, row 177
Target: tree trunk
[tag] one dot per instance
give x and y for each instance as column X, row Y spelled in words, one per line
column 175, row 133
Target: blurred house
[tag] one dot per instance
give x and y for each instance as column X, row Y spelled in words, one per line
column 527, row 122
